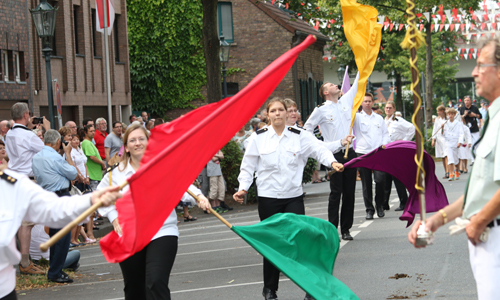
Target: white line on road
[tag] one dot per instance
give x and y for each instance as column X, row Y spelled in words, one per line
column 365, row 224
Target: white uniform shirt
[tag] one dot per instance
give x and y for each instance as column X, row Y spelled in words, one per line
column 25, row 200
column 118, row 177
column 279, row 161
column 371, row 132
column 400, row 129
column 453, row 133
column 334, row 119
column 21, row 145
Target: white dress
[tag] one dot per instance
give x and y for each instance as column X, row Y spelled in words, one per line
column 439, row 144
column 464, row 152
column 453, row 134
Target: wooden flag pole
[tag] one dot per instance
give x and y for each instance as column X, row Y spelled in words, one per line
column 211, row 210
column 64, row 231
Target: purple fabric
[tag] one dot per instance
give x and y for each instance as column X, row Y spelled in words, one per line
column 346, row 84
column 398, row 159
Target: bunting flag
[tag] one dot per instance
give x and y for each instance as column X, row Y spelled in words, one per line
column 364, row 36
column 307, row 259
column 99, row 19
column 394, row 160
column 155, row 189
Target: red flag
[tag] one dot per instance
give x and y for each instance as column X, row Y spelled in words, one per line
column 178, row 151
column 100, row 15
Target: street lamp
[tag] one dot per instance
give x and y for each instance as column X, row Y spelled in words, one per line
column 44, row 18
column 340, row 73
column 224, row 58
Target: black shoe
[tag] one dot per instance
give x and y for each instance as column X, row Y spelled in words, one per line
column 400, row 208
column 387, row 207
column 345, row 236
column 369, row 215
column 63, row 279
column 308, row 297
column 269, row 294
column 380, row 212
column 224, row 205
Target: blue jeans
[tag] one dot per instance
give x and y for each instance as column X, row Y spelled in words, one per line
column 58, row 252
column 72, row 260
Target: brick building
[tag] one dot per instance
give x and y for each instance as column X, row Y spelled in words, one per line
column 77, row 61
column 260, row 32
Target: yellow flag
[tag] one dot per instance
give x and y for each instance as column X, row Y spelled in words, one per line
column 364, row 36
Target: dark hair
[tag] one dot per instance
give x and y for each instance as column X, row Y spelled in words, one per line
column 116, row 122
column 131, row 116
column 158, row 121
column 86, row 121
column 2, row 143
column 83, row 132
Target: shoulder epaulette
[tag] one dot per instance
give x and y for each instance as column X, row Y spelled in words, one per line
column 319, row 105
column 261, row 130
column 294, row 130
column 111, row 168
column 8, row 178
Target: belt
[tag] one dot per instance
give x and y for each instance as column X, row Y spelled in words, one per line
column 32, row 178
column 494, row 223
column 63, row 191
column 343, row 150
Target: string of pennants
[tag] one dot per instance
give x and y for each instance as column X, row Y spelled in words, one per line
column 485, row 22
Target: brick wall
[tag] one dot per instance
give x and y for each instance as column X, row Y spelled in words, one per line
column 81, row 76
column 14, row 37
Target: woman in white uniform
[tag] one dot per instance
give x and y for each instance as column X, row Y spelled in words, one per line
column 438, row 139
column 399, row 130
column 277, row 152
column 146, row 273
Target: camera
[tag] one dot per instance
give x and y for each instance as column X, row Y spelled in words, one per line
column 37, row 120
column 65, row 144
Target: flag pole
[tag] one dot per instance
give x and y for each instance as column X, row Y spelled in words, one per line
column 106, row 57
column 64, row 231
column 212, row 211
column 61, row 233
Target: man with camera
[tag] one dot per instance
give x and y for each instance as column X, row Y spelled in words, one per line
column 21, row 145
column 54, row 174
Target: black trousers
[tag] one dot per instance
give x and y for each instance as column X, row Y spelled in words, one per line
column 267, row 208
column 146, row 273
column 366, row 181
column 400, row 189
column 11, row 296
column 343, row 185
column 59, row 251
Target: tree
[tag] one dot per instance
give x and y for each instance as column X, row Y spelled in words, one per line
column 211, row 49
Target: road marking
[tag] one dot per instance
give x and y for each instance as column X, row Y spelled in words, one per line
column 365, row 224
column 213, row 288
column 344, row 242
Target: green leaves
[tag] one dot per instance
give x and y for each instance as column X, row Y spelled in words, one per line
column 167, row 67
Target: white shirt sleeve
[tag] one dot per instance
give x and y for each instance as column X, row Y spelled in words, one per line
column 409, row 129
column 249, row 164
column 386, row 139
column 313, row 121
column 109, row 212
column 311, row 148
column 351, row 94
column 35, row 143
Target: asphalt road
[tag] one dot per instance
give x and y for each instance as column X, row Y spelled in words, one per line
column 214, row 263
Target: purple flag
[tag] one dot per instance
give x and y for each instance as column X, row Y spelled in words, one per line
column 398, row 159
column 346, row 84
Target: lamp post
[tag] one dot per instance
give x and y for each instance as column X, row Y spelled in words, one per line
column 44, row 18
column 224, row 58
column 340, row 73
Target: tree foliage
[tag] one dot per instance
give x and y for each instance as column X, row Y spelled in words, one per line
column 167, row 67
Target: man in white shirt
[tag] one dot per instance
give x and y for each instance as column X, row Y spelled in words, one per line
column 371, row 133
column 334, row 121
column 21, row 145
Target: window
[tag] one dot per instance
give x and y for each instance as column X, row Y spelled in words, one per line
column 1, row 66
column 116, row 39
column 225, row 20
column 96, row 39
column 9, row 66
column 77, row 28
column 17, row 70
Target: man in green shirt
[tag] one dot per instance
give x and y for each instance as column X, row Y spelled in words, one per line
column 95, row 165
column 480, row 204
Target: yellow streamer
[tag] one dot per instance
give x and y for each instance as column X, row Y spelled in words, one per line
column 414, row 39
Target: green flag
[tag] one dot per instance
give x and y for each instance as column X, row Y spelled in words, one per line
column 303, row 248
